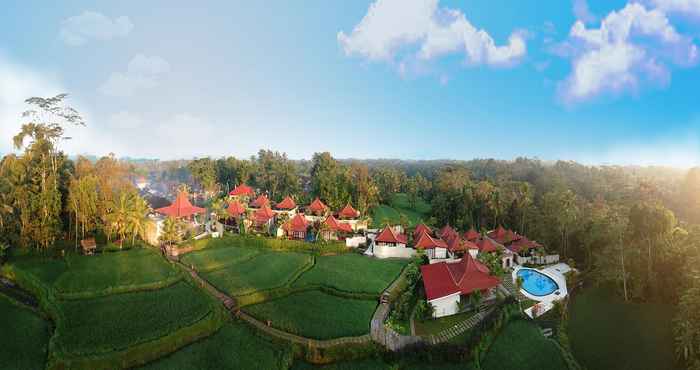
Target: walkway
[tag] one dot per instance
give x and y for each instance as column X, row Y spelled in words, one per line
column 232, row 306
column 460, row 328
column 507, row 283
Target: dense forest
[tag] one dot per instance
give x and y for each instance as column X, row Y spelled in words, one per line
column 634, row 227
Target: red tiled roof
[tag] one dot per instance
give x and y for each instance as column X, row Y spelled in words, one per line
column 286, row 204
column 181, row 207
column 260, row 201
column 348, row 212
column 443, row 279
column 317, row 206
column 498, row 235
column 235, row 208
column 511, row 236
column 447, row 231
column 523, row 243
column 471, row 235
column 334, row 225
column 263, row 215
column 486, row 245
column 389, row 236
column 470, row 245
column 456, row 244
column 242, row 190
column 427, row 242
column 421, row 228
column 298, row 223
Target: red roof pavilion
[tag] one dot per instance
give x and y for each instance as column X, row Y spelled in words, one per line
column 334, row 225
column 471, row 235
column 443, row 279
column 260, row 201
column 486, row 246
column 286, row 204
column 263, row 215
column 235, row 208
column 348, row 212
column 447, row 231
column 317, row 206
column 498, row 235
column 181, row 207
column 298, row 223
column 241, row 190
column 421, row 228
column 428, row 242
column 389, row 236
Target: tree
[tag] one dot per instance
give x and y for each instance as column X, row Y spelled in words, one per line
column 171, row 232
column 651, row 223
column 137, row 217
column 83, row 203
column 38, row 188
column 204, row 172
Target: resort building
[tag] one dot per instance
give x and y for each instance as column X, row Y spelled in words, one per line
column 242, row 191
column 260, row 201
column 297, row 227
column 263, row 219
column 447, row 284
column 390, row 243
column 180, row 209
column 236, row 212
column 316, row 211
column 287, row 206
column 333, row 229
column 434, row 248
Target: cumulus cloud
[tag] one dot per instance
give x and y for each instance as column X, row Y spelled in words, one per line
column 686, row 7
column 582, row 13
column 429, row 32
column 143, row 72
column 632, row 46
column 89, row 25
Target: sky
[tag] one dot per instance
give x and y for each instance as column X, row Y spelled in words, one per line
column 600, row 82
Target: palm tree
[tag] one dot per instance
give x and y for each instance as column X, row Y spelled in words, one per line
column 137, row 217
column 119, row 215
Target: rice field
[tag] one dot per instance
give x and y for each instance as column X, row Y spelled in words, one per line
column 353, row 273
column 317, row 315
column 24, row 337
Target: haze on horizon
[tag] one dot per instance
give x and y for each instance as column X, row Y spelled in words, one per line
column 599, row 82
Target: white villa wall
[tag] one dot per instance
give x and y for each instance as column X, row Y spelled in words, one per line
column 355, row 241
column 538, row 260
column 381, row 250
column 445, row 306
column 473, row 252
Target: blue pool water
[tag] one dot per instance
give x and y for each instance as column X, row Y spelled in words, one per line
column 537, row 283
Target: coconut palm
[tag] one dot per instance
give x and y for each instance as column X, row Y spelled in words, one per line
column 171, row 232
column 137, row 217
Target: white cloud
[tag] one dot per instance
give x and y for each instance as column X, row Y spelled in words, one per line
column 632, row 46
column 18, row 83
column 126, row 120
column 687, row 7
column 89, row 25
column 142, row 73
column 582, row 13
column 391, row 26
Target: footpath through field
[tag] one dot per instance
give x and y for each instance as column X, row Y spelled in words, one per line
column 232, row 306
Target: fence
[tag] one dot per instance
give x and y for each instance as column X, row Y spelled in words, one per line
column 386, row 336
column 538, row 260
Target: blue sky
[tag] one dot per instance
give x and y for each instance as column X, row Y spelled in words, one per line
column 596, row 81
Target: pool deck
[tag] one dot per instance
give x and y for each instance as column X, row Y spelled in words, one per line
column 556, row 273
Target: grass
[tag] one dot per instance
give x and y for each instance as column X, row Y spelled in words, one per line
column 364, row 364
column 265, row 271
column 24, row 337
column 314, row 314
column 234, row 346
column 133, row 268
column 118, row 321
column 398, row 205
column 47, row 270
column 352, row 273
column 216, row 258
column 521, row 346
column 435, row 326
column 608, row 333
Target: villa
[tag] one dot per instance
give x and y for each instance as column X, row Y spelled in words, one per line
column 333, row 228
column 260, row 202
column 389, row 243
column 297, row 227
column 434, row 248
column 447, row 284
column 180, row 209
column 263, row 218
column 242, row 191
column 287, row 206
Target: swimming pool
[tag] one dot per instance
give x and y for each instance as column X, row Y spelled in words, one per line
column 537, row 283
